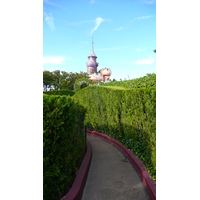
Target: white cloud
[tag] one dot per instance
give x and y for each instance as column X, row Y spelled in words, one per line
column 148, row 1
column 53, row 60
column 119, row 29
column 145, row 17
column 99, row 20
column 49, row 19
column 108, row 49
column 83, row 44
column 91, row 1
column 142, row 17
column 148, row 61
column 140, row 49
column 112, row 48
column 50, row 3
column 134, row 19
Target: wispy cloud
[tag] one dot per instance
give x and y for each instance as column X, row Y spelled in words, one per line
column 99, row 20
column 83, row 44
column 142, row 17
column 140, row 49
column 134, row 19
column 147, row 61
column 53, row 60
column 49, row 20
column 108, row 49
column 148, row 1
column 119, row 29
column 91, row 1
column 50, row 3
column 111, row 48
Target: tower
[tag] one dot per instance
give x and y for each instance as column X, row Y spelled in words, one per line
column 91, row 63
column 103, row 74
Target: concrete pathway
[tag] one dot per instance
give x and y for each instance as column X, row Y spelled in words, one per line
column 111, row 176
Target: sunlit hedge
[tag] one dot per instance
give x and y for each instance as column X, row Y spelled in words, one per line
column 126, row 115
column 143, row 82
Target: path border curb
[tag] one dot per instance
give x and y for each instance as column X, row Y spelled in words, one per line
column 136, row 163
column 76, row 191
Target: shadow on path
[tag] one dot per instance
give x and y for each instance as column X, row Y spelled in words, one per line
column 111, row 176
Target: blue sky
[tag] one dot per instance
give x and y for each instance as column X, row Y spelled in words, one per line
column 124, row 35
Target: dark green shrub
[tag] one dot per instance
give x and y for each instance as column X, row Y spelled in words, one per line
column 63, row 144
column 81, row 83
column 60, row 92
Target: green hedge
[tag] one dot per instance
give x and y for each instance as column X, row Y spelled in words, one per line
column 81, row 83
column 126, row 115
column 143, row 82
column 60, row 92
column 63, row 144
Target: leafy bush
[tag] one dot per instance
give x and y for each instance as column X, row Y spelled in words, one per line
column 63, row 144
column 143, row 82
column 60, row 92
column 81, row 83
column 126, row 115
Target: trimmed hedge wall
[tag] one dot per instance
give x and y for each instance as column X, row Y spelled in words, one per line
column 63, row 144
column 60, row 92
column 143, row 82
column 126, row 115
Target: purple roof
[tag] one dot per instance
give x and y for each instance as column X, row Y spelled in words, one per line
column 92, row 53
column 90, row 63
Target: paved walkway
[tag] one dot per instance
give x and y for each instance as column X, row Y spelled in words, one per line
column 111, row 176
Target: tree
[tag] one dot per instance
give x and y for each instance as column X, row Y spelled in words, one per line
column 47, row 78
column 154, row 50
column 81, row 83
column 56, row 79
column 67, row 80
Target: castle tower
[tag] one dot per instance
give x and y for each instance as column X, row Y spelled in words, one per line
column 91, row 63
column 103, row 75
column 106, row 73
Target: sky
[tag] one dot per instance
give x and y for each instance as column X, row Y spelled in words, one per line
column 123, row 32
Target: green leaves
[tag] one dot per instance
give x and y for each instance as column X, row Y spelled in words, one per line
column 63, row 144
column 60, row 92
column 47, row 78
column 81, row 83
column 126, row 115
column 143, row 82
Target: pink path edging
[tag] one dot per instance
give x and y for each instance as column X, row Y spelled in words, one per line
column 136, row 163
column 76, row 191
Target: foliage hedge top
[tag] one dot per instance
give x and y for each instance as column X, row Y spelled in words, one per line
column 115, row 87
column 104, row 87
column 81, row 83
column 143, row 82
column 60, row 92
column 63, row 144
column 126, row 115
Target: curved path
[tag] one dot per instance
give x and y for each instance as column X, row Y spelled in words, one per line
column 111, row 176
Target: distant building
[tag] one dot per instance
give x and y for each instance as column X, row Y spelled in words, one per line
column 48, row 87
column 96, row 76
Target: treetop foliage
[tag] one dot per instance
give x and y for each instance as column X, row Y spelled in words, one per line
column 62, row 79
